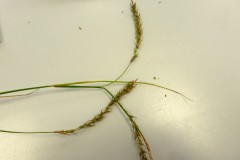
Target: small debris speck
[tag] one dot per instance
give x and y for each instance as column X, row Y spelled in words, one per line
column 29, row 22
column 165, row 95
column 154, row 78
column 159, row 2
column 79, row 28
column 122, row 12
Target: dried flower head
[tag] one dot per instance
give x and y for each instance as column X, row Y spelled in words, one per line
column 125, row 90
column 138, row 28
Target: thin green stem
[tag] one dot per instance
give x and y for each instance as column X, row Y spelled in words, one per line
column 6, row 131
column 19, row 94
column 91, row 82
column 25, row 89
column 124, row 82
column 125, row 70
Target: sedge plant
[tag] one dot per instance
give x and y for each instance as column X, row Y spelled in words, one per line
column 143, row 146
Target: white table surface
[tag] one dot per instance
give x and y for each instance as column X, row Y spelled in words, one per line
column 191, row 46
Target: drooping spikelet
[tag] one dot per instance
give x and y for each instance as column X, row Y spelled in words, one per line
column 138, row 28
column 125, row 90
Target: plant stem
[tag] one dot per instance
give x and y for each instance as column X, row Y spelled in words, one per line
column 125, row 70
column 90, row 82
column 19, row 94
column 25, row 89
column 6, row 131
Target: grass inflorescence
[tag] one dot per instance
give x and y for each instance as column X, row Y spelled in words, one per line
column 138, row 29
column 138, row 37
column 125, row 90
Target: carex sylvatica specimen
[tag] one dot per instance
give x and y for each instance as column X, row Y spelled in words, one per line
column 143, row 146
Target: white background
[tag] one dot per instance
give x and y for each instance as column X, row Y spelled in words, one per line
column 191, row 46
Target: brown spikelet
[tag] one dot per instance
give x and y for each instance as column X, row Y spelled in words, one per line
column 143, row 147
column 138, row 28
column 125, row 90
